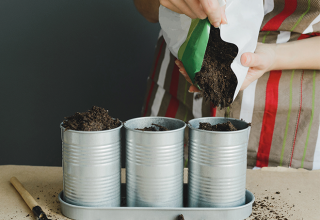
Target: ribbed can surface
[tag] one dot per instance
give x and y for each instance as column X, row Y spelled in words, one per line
column 217, row 164
column 91, row 167
column 154, row 162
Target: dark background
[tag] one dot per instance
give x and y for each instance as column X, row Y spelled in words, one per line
column 59, row 57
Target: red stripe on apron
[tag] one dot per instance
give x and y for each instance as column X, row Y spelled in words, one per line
column 172, row 108
column 174, row 102
column 152, row 85
column 174, row 81
column 275, row 22
column 295, row 134
column 304, row 36
column 213, row 110
column 269, row 118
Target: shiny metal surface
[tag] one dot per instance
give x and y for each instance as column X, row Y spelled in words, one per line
column 154, row 162
column 160, row 213
column 91, row 167
column 217, row 164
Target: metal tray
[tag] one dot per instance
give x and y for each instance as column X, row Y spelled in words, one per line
column 149, row 213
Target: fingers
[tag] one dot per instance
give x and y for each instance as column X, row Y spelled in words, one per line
column 169, row 5
column 252, row 75
column 193, row 89
column 179, row 63
column 185, row 74
column 223, row 15
column 182, row 70
column 178, row 6
column 250, row 59
column 212, row 9
column 199, row 9
column 184, row 7
column 244, row 85
column 195, row 6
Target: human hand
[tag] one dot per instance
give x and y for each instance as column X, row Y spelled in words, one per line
column 198, row 9
column 183, row 71
column 259, row 62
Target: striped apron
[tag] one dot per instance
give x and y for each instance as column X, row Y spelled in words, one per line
column 283, row 105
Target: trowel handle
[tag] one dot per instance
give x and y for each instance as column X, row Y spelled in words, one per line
column 24, row 193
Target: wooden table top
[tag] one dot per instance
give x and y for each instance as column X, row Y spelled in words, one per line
column 291, row 193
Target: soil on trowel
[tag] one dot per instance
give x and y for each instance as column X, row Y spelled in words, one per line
column 153, row 128
column 228, row 126
column 216, row 78
column 180, row 217
column 95, row 119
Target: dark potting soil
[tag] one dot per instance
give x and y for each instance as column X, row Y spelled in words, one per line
column 153, row 128
column 228, row 126
column 95, row 119
column 266, row 208
column 216, row 78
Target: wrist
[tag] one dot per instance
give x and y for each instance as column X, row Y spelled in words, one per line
column 274, row 57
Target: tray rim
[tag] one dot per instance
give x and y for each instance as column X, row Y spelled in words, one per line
column 62, row 202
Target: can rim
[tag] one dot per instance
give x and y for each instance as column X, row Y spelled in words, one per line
column 92, row 132
column 153, row 132
column 217, row 132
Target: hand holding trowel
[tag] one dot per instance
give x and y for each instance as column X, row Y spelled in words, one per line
column 187, row 39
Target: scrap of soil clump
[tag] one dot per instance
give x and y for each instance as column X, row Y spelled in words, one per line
column 228, row 126
column 153, row 128
column 96, row 119
column 216, row 78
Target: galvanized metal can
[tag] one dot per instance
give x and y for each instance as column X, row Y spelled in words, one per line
column 154, row 162
column 217, row 164
column 91, row 167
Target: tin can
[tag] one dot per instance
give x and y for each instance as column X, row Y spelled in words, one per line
column 154, row 162
column 217, row 164
column 91, row 167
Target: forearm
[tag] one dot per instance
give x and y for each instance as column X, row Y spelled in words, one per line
column 302, row 54
column 148, row 9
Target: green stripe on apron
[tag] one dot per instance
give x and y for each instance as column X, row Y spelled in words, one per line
column 288, row 119
column 300, row 18
column 311, row 118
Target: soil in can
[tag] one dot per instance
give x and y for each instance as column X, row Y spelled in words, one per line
column 155, row 127
column 95, row 119
column 227, row 126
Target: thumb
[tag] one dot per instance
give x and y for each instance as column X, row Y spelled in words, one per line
column 250, row 59
column 223, row 15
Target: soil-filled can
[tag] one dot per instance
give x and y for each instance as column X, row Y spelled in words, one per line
column 154, row 162
column 217, row 164
column 91, row 167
